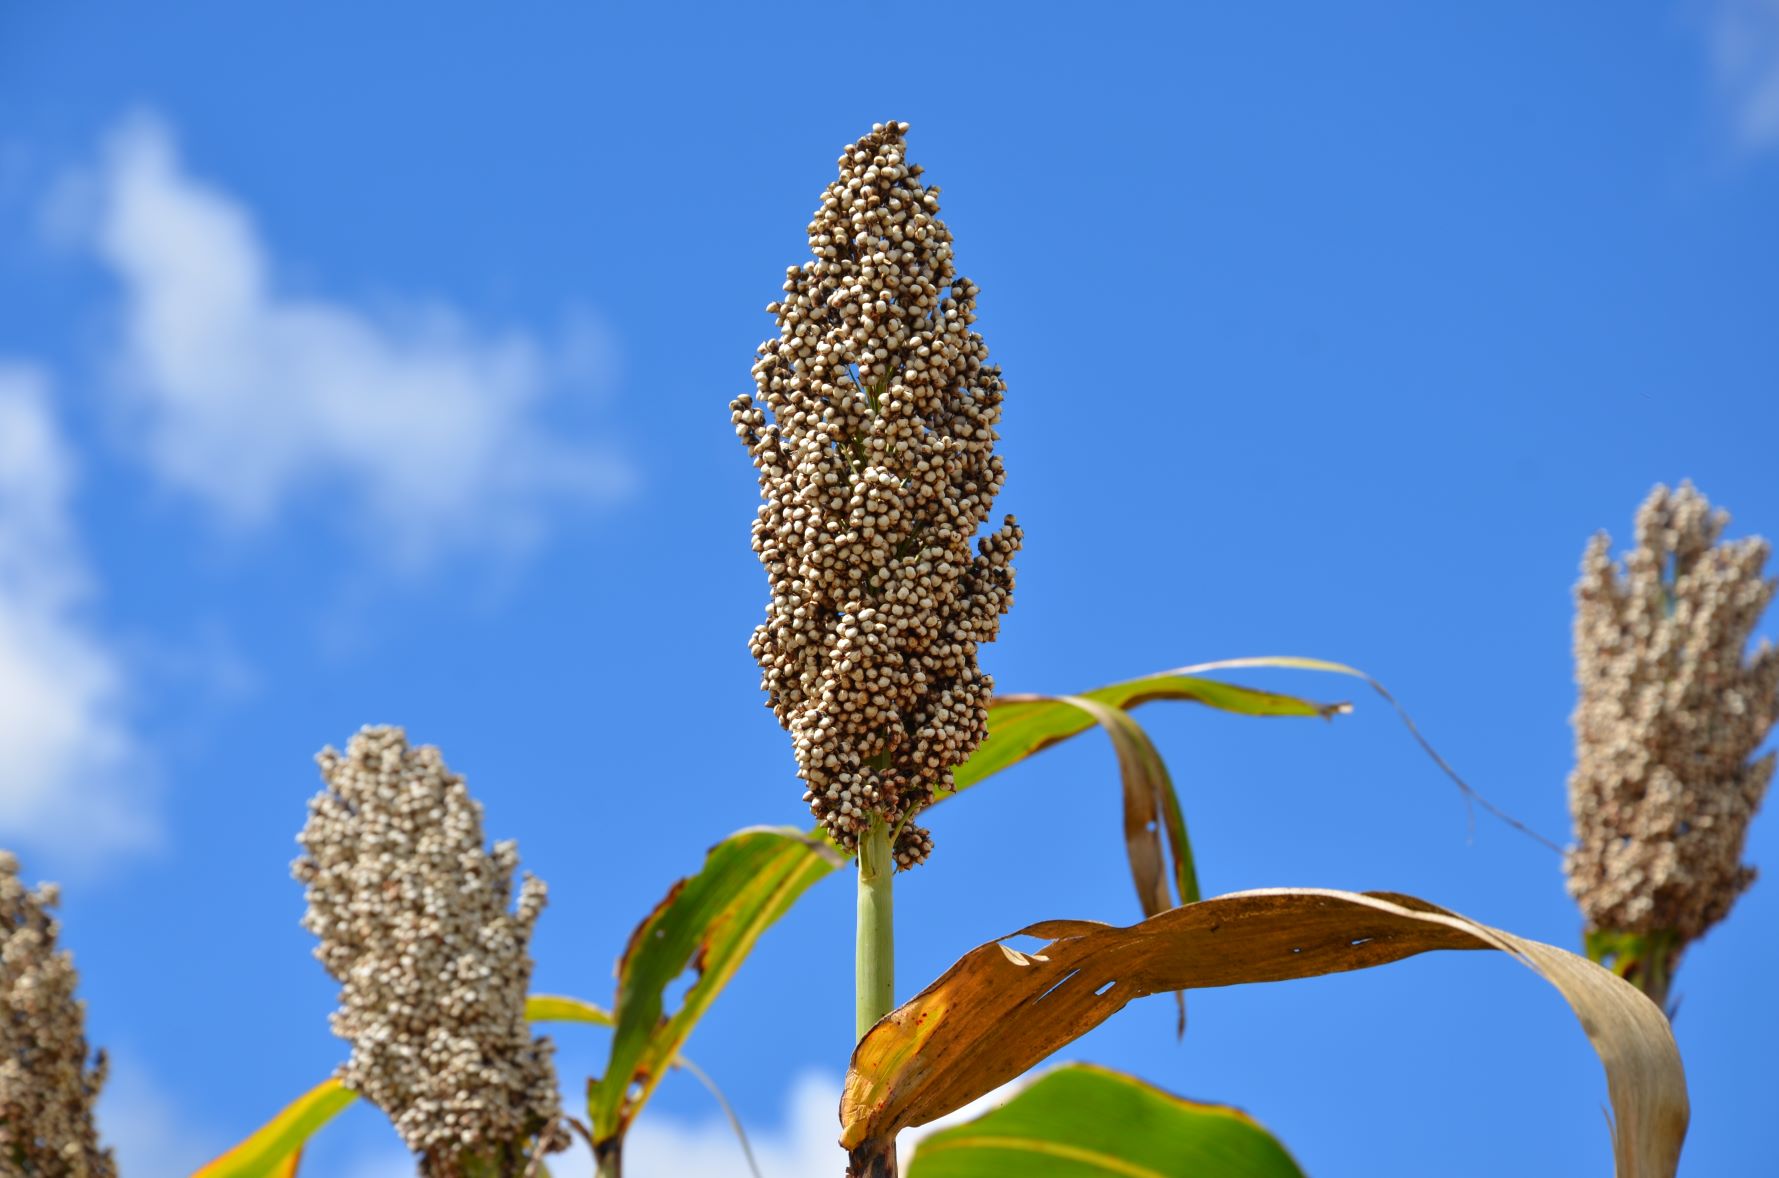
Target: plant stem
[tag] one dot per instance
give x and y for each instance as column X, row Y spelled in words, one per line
column 609, row 1158
column 1646, row 960
column 875, row 965
column 1657, row 969
column 873, row 1159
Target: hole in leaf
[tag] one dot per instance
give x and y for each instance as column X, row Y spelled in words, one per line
column 673, row 995
column 1101, row 992
column 1059, row 982
column 1025, row 943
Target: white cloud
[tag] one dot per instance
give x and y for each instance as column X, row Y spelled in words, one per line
column 70, row 775
column 247, row 396
column 804, row 1145
column 144, row 1127
column 1745, row 56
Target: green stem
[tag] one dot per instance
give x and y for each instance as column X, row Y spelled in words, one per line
column 1646, row 960
column 875, row 965
column 1657, row 973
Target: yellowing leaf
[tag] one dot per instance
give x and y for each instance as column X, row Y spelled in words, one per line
column 268, row 1153
column 273, row 1150
column 558, row 1008
column 708, row 922
column 986, row 1020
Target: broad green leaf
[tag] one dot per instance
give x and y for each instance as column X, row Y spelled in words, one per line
column 708, row 922
column 996, row 1012
column 1081, row 1121
column 272, row 1151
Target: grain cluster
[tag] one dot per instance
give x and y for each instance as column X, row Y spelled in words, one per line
column 47, row 1084
column 873, row 428
column 415, row 920
column 1672, row 707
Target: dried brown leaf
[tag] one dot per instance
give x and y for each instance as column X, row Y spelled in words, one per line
column 988, row 1019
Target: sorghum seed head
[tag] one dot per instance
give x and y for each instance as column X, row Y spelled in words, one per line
column 872, row 426
column 1671, row 709
column 47, row 1086
column 416, row 922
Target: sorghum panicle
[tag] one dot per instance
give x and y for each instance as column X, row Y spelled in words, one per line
column 1671, row 709
column 873, row 432
column 47, row 1087
column 415, row 921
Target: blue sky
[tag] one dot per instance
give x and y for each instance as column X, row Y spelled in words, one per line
column 370, row 364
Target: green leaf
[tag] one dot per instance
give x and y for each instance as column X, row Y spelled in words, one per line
column 1020, row 725
column 557, row 1008
column 1081, row 1121
column 708, row 922
column 267, row 1153
column 273, row 1149
column 1294, row 663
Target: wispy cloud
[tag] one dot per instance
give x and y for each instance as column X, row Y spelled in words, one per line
column 425, row 431
column 804, row 1145
column 146, row 1128
column 71, row 777
column 1745, row 58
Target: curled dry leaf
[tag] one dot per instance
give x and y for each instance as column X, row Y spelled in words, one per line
column 988, row 1018
column 1151, row 809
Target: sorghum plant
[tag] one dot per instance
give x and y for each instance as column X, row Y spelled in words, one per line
column 873, row 429
column 1671, row 709
column 873, row 432
column 415, row 921
column 47, row 1086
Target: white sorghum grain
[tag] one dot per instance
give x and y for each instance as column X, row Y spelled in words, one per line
column 47, row 1087
column 873, row 430
column 1671, row 709
column 415, row 920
